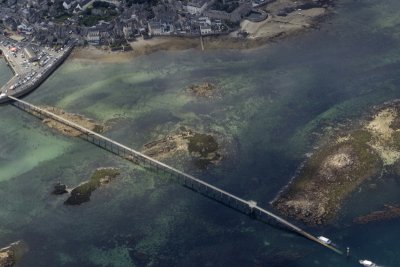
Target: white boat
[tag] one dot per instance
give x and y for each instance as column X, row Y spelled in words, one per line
column 325, row 240
column 367, row 263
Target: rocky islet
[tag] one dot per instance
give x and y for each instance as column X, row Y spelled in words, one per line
column 339, row 167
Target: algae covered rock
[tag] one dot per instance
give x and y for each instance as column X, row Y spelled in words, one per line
column 205, row 90
column 82, row 193
column 202, row 148
column 330, row 175
column 59, row 189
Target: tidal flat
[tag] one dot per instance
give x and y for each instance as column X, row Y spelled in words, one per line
column 277, row 102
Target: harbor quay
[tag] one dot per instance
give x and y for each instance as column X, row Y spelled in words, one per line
column 30, row 63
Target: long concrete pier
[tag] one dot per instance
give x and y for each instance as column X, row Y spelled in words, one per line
column 247, row 207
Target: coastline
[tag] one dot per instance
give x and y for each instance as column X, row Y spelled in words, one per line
column 260, row 34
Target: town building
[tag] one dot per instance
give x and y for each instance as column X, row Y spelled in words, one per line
column 155, row 28
column 30, row 54
column 93, row 37
column 197, row 7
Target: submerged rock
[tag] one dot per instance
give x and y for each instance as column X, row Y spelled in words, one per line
column 10, row 255
column 75, row 118
column 206, row 89
column 390, row 212
column 338, row 168
column 82, row 192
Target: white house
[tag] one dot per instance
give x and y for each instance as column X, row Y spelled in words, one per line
column 67, row 4
column 155, row 28
column 205, row 29
column 196, row 7
column 93, row 37
column 205, row 25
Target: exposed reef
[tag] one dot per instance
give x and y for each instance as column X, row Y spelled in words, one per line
column 389, row 212
column 204, row 90
column 10, row 255
column 82, row 192
column 59, row 189
column 202, row 148
column 75, row 118
column 341, row 165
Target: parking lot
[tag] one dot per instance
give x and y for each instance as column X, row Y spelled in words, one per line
column 28, row 61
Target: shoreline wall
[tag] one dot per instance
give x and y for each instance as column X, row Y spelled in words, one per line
column 7, row 62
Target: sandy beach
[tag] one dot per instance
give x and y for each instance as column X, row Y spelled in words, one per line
column 140, row 47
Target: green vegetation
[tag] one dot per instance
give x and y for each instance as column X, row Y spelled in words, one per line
column 232, row 24
column 82, row 193
column 203, row 144
column 311, row 170
column 367, row 165
column 396, row 140
column 227, row 7
column 101, row 4
column 62, row 17
column 98, row 12
column 119, row 44
column 204, row 149
column 141, row 2
column 395, row 125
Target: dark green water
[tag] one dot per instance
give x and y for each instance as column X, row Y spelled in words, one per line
column 5, row 71
column 273, row 100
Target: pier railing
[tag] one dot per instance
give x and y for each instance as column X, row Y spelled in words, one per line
column 245, row 206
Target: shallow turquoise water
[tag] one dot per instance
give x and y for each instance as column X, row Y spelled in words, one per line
column 274, row 99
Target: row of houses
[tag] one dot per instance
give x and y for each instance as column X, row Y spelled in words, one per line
column 198, row 26
column 64, row 19
column 77, row 6
column 203, row 7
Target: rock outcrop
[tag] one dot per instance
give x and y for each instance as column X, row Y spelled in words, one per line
column 338, row 168
column 205, row 90
column 59, row 189
column 75, row 118
column 82, row 192
column 10, row 255
column 202, row 148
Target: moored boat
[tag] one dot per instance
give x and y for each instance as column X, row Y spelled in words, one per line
column 367, row 263
column 325, row 240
